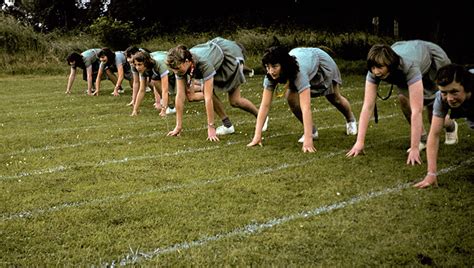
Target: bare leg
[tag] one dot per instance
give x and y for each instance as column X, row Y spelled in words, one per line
column 406, row 109
column 405, row 106
column 156, row 85
column 111, row 77
column 194, row 91
column 192, row 95
column 294, row 103
column 341, row 103
column 236, row 100
column 218, row 107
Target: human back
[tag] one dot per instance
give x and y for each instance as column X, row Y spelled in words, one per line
column 317, row 68
column 159, row 68
column 223, row 56
column 90, row 56
column 427, row 56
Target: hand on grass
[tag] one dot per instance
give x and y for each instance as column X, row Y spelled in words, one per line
column 255, row 141
column 211, row 134
column 163, row 112
column 157, row 106
column 414, row 157
column 176, row 132
column 356, row 150
column 427, row 181
column 308, row 148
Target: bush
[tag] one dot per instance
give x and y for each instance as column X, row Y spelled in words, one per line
column 16, row 37
column 348, row 49
column 113, row 33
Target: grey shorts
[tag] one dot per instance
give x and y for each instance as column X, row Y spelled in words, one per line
column 323, row 91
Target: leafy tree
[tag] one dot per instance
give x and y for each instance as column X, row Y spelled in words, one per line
column 88, row 12
column 47, row 15
column 113, row 33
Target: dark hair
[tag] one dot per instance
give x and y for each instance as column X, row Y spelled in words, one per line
column 455, row 73
column 77, row 58
column 131, row 50
column 289, row 65
column 382, row 55
column 143, row 56
column 108, row 53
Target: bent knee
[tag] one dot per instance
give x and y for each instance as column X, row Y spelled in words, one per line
column 403, row 98
column 335, row 99
column 234, row 103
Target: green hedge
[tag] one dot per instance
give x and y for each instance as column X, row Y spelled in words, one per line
column 22, row 50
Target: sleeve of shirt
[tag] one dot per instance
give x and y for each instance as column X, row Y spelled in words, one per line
column 87, row 62
column 414, row 79
column 413, row 74
column 440, row 109
column 207, row 69
column 165, row 73
column 302, row 82
column 119, row 59
column 269, row 85
column 162, row 69
column 371, row 78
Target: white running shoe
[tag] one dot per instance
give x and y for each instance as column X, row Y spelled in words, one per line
column 421, row 147
column 265, row 125
column 148, row 89
column 315, row 136
column 121, row 91
column 351, row 128
column 171, row 110
column 451, row 138
column 222, row 130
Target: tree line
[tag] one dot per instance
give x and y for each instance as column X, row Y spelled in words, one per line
column 148, row 18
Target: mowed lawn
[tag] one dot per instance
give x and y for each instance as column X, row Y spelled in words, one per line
column 85, row 184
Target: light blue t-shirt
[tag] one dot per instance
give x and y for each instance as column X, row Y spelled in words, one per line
column 418, row 59
column 90, row 56
column 220, row 59
column 317, row 71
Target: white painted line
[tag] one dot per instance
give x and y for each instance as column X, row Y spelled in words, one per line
column 122, row 138
column 131, row 123
column 266, row 170
column 138, row 256
column 107, row 162
column 144, row 157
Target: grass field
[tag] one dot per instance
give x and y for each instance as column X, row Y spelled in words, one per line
column 85, row 184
